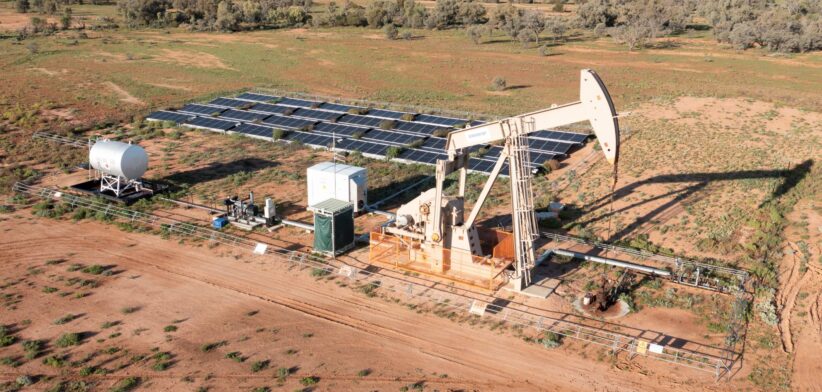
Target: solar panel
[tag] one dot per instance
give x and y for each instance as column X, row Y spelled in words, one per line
column 243, row 115
column 415, row 127
column 360, row 120
column 480, row 165
column 229, row 102
column 492, row 152
column 421, row 156
column 336, row 107
column 298, row 102
column 201, row 109
column 391, row 137
column 258, row 97
column 168, row 116
column 570, row 137
column 256, row 130
column 317, row 114
column 311, row 139
column 439, row 120
column 269, row 108
column 339, row 129
column 539, row 158
column 434, row 143
column 390, row 114
column 210, row 123
column 362, row 146
column 288, row 122
column 549, row 145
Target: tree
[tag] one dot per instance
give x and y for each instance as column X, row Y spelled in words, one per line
column 227, row 18
column 65, row 20
column 22, row 6
column 475, row 33
column 534, row 22
column 508, row 19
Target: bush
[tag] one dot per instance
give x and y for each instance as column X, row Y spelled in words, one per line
column 277, row 134
column 498, row 84
column 68, row 339
column 391, row 31
column 387, row 124
column 170, row 328
column 126, row 384
column 393, row 152
column 95, row 269
column 551, row 340
column 53, row 361
column 310, row 380
column 544, row 50
column 259, row 365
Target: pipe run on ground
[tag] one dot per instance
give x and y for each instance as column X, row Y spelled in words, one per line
column 616, row 263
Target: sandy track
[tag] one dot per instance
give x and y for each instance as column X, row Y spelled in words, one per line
column 471, row 357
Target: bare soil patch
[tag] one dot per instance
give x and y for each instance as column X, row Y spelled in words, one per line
column 192, row 59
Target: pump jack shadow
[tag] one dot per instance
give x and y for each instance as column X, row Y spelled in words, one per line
column 691, row 193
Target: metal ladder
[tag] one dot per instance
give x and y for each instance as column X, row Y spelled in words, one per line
column 524, row 218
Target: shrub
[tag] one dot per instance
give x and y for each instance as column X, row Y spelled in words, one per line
column 68, row 339
column 387, row 124
column 475, row 33
column 391, row 31
column 259, row 365
column 282, row 373
column 277, row 134
column 393, row 152
column 129, row 309
column 235, row 356
column 408, row 117
column 126, row 384
column 499, row 84
column 32, row 348
column 211, row 346
column 49, row 289
column 551, row 340
column 65, row 319
column 170, row 328
column 319, row 272
column 95, row 269
column 310, row 380
column 442, row 132
column 364, row 372
column 544, row 50
column 53, row 361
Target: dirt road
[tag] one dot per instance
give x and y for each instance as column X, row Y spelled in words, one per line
column 314, row 328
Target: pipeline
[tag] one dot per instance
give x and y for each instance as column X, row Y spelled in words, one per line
column 616, row 263
column 301, row 225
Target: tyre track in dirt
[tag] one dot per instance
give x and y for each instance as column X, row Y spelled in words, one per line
column 487, row 358
column 787, row 300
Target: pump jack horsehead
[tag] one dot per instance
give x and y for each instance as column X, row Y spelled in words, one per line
column 437, row 221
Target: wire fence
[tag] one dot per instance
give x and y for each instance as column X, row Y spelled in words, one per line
column 446, row 301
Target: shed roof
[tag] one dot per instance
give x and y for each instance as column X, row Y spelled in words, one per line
column 331, row 207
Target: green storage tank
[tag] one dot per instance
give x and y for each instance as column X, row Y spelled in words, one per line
column 333, row 226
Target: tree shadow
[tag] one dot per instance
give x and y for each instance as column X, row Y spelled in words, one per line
column 218, row 170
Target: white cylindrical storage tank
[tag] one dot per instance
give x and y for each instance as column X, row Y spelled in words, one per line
column 118, row 159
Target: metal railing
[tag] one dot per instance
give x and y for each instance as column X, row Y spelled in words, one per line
column 445, row 298
column 680, row 267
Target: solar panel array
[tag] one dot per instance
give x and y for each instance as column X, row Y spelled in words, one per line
column 371, row 132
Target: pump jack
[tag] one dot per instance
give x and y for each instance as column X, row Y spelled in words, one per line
column 437, row 221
